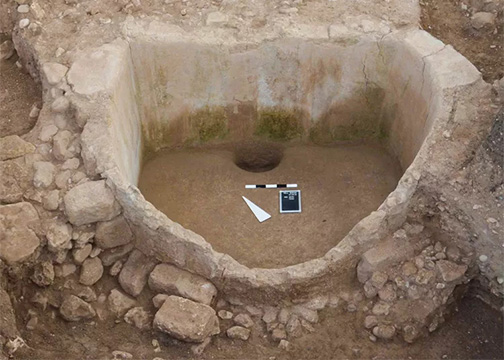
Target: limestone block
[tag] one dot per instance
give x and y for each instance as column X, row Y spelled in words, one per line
column 186, row 320
column 90, row 202
column 169, row 279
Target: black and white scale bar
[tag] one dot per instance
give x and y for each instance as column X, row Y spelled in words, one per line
column 271, row 186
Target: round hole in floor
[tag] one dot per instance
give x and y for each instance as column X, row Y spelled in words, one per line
column 257, row 156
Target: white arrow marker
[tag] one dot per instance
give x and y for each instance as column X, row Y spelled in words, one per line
column 259, row 213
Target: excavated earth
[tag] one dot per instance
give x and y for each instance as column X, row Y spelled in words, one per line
column 128, row 130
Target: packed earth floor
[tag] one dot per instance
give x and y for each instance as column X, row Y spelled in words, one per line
column 75, row 307
column 200, row 188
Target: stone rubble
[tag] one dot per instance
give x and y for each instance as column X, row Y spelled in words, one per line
column 43, row 274
column 225, row 315
column 121, row 355
column 71, row 164
column 139, row 318
column 61, row 145
column 54, row 72
column 450, row 271
column 91, row 271
column 90, row 202
column 23, row 23
column 110, row 256
column 159, row 299
column 32, row 323
column 134, row 273
column 86, row 293
column 284, row 345
column 64, row 270
column 13, row 146
column 410, row 295
column 119, row 303
column 62, row 179
column 169, row 279
column 116, row 268
column 270, row 314
column 482, row 20
column 305, row 313
column 186, row 320
column 82, row 235
column 243, row 320
column 238, row 332
column 279, row 333
column 44, row 174
column 76, row 309
column 58, row 235
column 113, row 233
column 18, row 240
column 61, row 105
column 81, row 254
column 51, row 200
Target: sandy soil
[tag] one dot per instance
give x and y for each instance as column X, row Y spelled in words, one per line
column 201, row 189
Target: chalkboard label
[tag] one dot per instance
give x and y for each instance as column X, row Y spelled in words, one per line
column 290, row 201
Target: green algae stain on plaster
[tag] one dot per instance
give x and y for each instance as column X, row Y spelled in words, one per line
column 208, row 124
column 357, row 118
column 279, row 125
column 203, row 126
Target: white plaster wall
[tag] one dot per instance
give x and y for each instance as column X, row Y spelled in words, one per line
column 103, row 79
column 176, row 78
column 126, row 124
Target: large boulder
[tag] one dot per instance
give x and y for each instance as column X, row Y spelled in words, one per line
column 74, row 309
column 18, row 241
column 186, row 320
column 171, row 280
column 90, row 202
column 134, row 273
column 113, row 233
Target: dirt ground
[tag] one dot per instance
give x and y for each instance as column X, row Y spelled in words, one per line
column 18, row 93
column 475, row 331
column 450, row 21
column 339, row 185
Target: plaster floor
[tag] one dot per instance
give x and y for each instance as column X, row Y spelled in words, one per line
column 201, row 188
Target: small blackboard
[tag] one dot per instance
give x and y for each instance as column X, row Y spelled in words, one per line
column 290, row 201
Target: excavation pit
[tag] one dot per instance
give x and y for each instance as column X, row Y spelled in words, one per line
column 352, row 117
